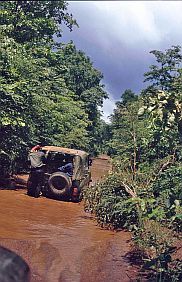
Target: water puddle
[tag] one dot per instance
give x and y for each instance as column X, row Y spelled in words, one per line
column 60, row 241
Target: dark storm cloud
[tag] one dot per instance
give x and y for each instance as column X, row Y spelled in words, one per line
column 118, row 37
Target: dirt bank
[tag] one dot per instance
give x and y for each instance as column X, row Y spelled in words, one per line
column 60, row 241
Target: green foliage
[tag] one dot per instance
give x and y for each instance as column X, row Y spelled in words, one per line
column 146, row 146
column 143, row 193
column 130, row 134
column 164, row 108
column 103, row 137
column 164, row 112
column 128, row 202
column 35, row 100
column 118, row 202
column 45, row 96
column 34, row 21
column 167, row 72
column 5, row 164
column 110, row 203
column 168, row 191
column 155, row 241
column 128, row 97
column 80, row 75
column 85, row 82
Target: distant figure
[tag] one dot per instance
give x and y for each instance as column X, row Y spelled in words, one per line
column 37, row 160
column 67, row 168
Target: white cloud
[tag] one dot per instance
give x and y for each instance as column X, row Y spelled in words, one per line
column 118, row 36
column 129, row 22
column 107, row 109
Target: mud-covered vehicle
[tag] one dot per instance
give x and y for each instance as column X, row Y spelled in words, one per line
column 65, row 174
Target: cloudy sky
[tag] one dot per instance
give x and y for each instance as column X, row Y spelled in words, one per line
column 118, row 36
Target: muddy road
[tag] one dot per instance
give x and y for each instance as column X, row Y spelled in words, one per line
column 61, row 242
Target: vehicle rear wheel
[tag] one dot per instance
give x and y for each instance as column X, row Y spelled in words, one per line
column 59, row 184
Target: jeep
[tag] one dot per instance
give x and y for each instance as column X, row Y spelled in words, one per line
column 59, row 183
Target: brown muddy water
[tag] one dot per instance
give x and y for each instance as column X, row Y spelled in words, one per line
column 61, row 242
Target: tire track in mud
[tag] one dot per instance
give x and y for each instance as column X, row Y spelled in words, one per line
column 60, row 241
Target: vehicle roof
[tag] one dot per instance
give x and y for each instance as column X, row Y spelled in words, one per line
column 65, row 150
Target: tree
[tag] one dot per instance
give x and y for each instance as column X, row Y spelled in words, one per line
column 164, row 108
column 128, row 97
column 85, row 82
column 81, row 77
column 36, row 105
column 167, row 71
column 144, row 186
column 34, row 21
column 129, row 132
column 42, row 97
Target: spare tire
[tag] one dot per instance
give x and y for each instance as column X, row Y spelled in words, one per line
column 59, row 184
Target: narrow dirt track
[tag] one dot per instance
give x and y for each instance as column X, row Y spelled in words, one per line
column 61, row 242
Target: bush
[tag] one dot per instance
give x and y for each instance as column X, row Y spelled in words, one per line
column 155, row 243
column 111, row 204
column 168, row 192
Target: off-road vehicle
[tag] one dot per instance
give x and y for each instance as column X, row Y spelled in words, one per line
column 58, row 184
